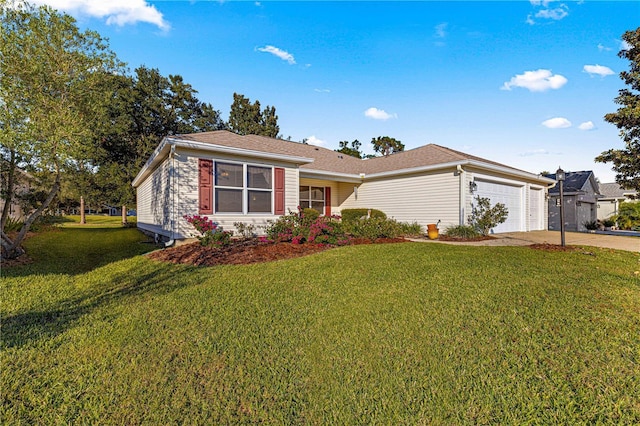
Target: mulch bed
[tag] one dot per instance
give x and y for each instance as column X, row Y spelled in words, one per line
column 246, row 252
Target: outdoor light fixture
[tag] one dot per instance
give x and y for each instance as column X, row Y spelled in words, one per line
column 473, row 187
column 560, row 177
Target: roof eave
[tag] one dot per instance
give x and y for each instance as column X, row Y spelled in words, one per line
column 163, row 149
column 332, row 176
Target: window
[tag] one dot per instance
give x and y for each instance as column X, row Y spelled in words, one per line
column 312, row 197
column 242, row 188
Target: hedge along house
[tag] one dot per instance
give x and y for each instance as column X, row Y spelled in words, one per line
column 255, row 179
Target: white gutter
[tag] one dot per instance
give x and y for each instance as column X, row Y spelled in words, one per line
column 462, row 193
column 471, row 163
column 239, row 151
column 326, row 175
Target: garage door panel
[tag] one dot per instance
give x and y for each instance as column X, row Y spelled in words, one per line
column 509, row 195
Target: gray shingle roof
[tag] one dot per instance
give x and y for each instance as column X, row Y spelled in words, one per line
column 574, row 181
column 332, row 161
column 613, row 190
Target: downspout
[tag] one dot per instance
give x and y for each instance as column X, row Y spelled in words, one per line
column 462, row 200
column 172, row 184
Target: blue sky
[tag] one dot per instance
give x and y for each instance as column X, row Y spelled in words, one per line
column 524, row 83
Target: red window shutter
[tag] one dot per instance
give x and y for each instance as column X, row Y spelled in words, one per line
column 279, row 190
column 327, row 201
column 205, row 187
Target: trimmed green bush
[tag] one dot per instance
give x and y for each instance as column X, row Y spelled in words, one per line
column 375, row 227
column 349, row 215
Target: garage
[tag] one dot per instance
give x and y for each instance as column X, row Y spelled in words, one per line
column 509, row 195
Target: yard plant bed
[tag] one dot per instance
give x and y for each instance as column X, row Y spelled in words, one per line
column 246, row 251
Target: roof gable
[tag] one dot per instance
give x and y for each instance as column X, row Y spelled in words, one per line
column 583, row 181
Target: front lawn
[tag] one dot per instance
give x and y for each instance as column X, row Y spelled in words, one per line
column 410, row 333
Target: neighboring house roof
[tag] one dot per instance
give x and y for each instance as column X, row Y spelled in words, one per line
column 323, row 162
column 614, row 191
column 574, row 182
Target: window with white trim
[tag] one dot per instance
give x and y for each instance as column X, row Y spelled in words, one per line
column 243, row 188
column 312, row 197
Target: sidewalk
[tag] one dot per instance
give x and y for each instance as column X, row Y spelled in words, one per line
column 618, row 242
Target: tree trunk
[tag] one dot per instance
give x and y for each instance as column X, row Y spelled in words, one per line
column 124, row 214
column 13, row 248
column 82, row 218
column 11, row 183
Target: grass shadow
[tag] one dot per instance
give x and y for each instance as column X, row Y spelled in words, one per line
column 26, row 327
column 73, row 251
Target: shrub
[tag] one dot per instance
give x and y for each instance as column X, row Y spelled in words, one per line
column 13, row 224
column 462, row 231
column 483, row 217
column 305, row 226
column 210, row 233
column 245, row 230
column 309, row 215
column 608, row 222
column 628, row 216
column 375, row 227
column 350, row 215
column 413, row 229
column 591, row 225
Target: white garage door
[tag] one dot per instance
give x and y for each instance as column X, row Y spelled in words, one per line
column 510, row 196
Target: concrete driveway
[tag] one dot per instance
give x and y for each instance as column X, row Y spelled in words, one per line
column 619, row 242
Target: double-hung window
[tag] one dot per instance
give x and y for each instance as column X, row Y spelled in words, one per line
column 312, row 197
column 243, row 188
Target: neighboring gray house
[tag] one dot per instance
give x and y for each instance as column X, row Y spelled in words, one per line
column 255, row 179
column 581, row 194
column 612, row 196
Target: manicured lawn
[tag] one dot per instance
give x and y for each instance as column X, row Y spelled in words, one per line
column 410, row 333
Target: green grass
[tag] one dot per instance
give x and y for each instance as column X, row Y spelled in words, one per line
column 409, row 333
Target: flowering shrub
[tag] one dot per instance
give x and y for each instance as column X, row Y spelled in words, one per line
column 305, row 226
column 210, row 233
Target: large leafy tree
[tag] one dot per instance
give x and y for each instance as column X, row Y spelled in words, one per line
column 51, row 97
column 626, row 162
column 247, row 118
column 386, row 146
column 142, row 110
column 350, row 148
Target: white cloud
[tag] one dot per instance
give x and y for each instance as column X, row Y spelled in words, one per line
column 379, row 114
column 587, row 125
column 598, row 69
column 312, row 140
column 555, row 14
column 322, row 90
column 536, row 81
column 441, row 30
column 116, row 12
column 557, row 123
column 603, row 48
column 534, row 152
column 624, row 45
column 282, row 54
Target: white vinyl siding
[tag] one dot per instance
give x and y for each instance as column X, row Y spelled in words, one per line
column 424, row 198
column 154, row 202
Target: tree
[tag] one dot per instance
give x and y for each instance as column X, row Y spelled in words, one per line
column 353, row 150
column 143, row 109
column 386, row 146
column 626, row 162
column 247, row 118
column 51, row 97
